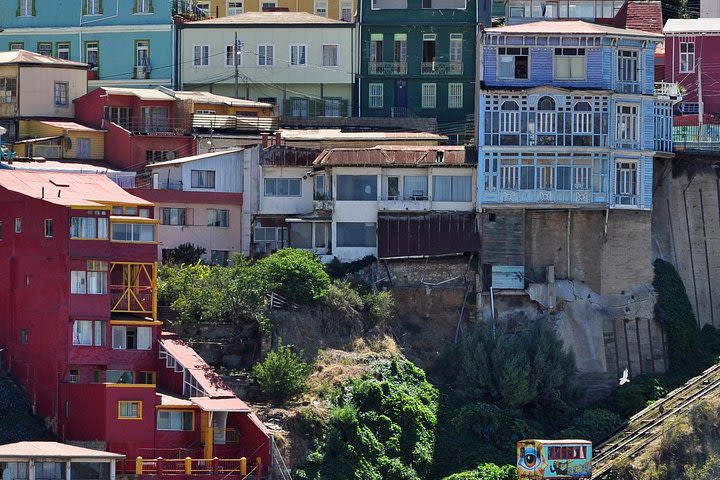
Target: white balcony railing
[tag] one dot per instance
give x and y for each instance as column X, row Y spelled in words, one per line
column 668, row 91
column 387, row 68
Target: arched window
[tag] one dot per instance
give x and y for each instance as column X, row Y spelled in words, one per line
column 509, row 117
column 583, row 118
column 546, row 116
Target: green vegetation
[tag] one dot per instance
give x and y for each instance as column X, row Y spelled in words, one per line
column 487, row 471
column 295, row 274
column 380, row 427
column 337, row 269
column 185, row 254
column 282, row 375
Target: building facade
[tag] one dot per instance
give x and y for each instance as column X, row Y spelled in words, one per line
column 128, row 43
column 302, row 63
column 417, row 59
column 601, row 11
column 344, row 10
column 709, row 9
column 91, row 355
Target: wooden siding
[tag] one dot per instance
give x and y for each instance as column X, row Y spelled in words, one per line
column 503, row 237
column 427, row 234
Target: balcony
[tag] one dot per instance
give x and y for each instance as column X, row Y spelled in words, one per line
column 308, row 107
column 668, row 91
column 132, row 288
column 418, row 202
column 163, row 125
column 703, row 138
column 387, row 68
column 441, row 68
column 323, row 204
column 629, row 87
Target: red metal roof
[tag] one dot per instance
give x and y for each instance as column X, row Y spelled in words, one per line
column 203, row 373
column 70, row 126
column 68, row 189
column 233, row 404
column 641, row 15
column 389, row 155
column 567, row 27
column 54, row 450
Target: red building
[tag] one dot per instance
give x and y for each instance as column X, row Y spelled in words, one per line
column 143, row 125
column 692, row 59
column 79, row 328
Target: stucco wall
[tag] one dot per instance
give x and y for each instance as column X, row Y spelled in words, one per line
column 36, row 87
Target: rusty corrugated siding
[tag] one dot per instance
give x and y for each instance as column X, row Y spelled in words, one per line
column 396, row 155
column 402, row 235
column 282, row 156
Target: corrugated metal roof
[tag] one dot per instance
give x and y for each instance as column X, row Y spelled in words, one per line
column 207, row 97
column 269, row 18
column 282, row 156
column 389, row 155
column 70, row 126
column 167, row 400
column 233, row 404
column 53, row 449
column 568, row 27
column 68, row 189
column 31, row 58
column 691, row 25
column 338, row 134
column 142, row 93
column 186, row 356
column 202, row 156
column 56, row 166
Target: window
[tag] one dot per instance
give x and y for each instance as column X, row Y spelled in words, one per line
column 49, row 227
column 133, row 232
column 1, row 230
column 331, row 107
column 351, row 234
column 569, row 63
column 513, row 63
column 90, row 470
column 321, row 8
column 172, row 216
column 45, row 48
column 146, row 378
column 357, row 187
column 429, row 45
column 119, row 115
column 89, row 332
column 546, row 116
column 18, row 225
column 218, row 218
column 687, row 57
column 154, row 156
column 92, row 281
column 175, row 420
column 219, row 257
column 120, row 376
column 626, row 183
column 283, row 187
column 627, row 124
column 204, row 7
column 456, row 44
column 231, row 56
column 143, row 6
column 129, row 410
column 265, row 54
column 201, row 55
column 298, row 55
column 330, row 55
column 299, row 107
column 452, row 188
column 269, row 239
column 14, row 46
column 92, row 56
column 49, row 470
column 73, row 375
column 428, row 95
column 88, row 227
column 400, row 48
column 63, row 51
column 268, row 5
column 375, row 95
column 8, row 90
column 61, row 94
column 131, row 338
column 346, row 13
column 24, row 337
column 455, row 95
column 142, row 58
column 628, row 66
column 92, row 7
column 202, row 178
column 509, row 117
column 376, row 47
column 234, row 8
column 582, row 118
column 321, row 192
column 27, row 8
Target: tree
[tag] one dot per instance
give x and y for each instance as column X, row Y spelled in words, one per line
column 185, row 254
column 295, row 274
column 282, row 375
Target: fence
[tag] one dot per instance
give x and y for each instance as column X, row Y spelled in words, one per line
column 237, row 469
column 697, row 138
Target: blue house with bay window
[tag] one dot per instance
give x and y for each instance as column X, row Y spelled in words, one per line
column 570, row 116
column 128, row 43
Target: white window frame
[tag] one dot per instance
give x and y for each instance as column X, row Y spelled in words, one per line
column 510, row 119
column 337, row 55
column 346, row 6
column 628, row 123
column 628, row 66
column 45, row 50
column 294, row 60
column 567, row 55
column 93, row 7
column 63, row 50
column 61, row 94
column 524, row 52
column 455, row 95
column 429, row 95
column 321, row 12
column 172, row 425
column 205, row 7
column 265, row 55
column 218, row 217
column 119, row 332
column 375, row 95
column 143, row 6
column 456, row 48
column 687, row 57
column 230, row 51
column 626, row 168
column 26, row 9
column 203, row 60
column 583, row 121
column 277, row 180
column 234, row 9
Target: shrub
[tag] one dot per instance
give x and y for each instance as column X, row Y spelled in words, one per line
column 634, row 396
column 282, row 375
column 380, row 306
column 185, row 254
column 593, row 424
column 710, row 470
column 487, row 471
column 342, row 297
column 295, row 274
column 338, row 269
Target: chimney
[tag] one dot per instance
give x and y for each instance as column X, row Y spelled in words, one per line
column 265, row 140
column 278, row 138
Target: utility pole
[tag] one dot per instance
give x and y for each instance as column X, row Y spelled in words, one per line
column 701, row 106
column 235, row 61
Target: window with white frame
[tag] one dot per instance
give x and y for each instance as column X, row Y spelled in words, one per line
column 175, row 420
column 330, row 55
column 26, row 8
column 201, row 55
column 509, row 177
column 582, row 118
column 92, row 280
column 191, row 387
column 455, row 95
column 172, row 216
column 546, row 116
column 129, row 410
column 321, row 8
column 298, row 55
column 133, row 232
column 265, row 55
column 346, row 11
column 456, row 44
column 232, row 55
column 509, row 117
column 63, row 51
column 89, row 333
column 131, row 338
column 14, row 46
column 143, row 6
column 299, row 107
column 61, row 94
column 45, row 48
column 283, row 187
column 88, row 227
column 204, row 7
column 202, row 178
column 428, row 95
column 268, row 5
column 569, row 64
column 513, row 63
column 375, row 95
column 628, row 66
column 234, row 8
column 269, row 239
column 92, row 7
column 452, row 188
column 626, row 182
column 687, row 57
column 218, row 217
column 8, row 90
column 627, row 124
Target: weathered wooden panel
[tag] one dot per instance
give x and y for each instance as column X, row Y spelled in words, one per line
column 508, row 277
column 503, row 237
column 427, row 234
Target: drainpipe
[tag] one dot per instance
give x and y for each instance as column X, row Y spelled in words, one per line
column 359, row 58
column 568, row 245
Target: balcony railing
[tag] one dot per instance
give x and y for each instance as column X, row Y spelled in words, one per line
column 131, row 300
column 387, row 68
column 132, row 288
column 152, row 124
column 441, row 68
column 308, row 107
column 669, row 91
column 629, row 87
column 697, row 138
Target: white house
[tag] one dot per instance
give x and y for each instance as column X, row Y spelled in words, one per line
column 299, row 61
column 56, row 461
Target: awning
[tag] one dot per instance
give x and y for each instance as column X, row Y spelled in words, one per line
column 39, row 139
column 229, row 404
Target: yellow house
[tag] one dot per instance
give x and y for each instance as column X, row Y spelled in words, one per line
column 59, row 139
column 344, row 10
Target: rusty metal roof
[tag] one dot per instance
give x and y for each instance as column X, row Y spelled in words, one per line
column 25, row 57
column 282, row 156
column 568, row 27
column 391, row 155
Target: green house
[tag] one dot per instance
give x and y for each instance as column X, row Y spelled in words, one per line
column 417, row 59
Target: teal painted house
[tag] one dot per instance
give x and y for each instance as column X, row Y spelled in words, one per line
column 128, row 42
column 417, row 59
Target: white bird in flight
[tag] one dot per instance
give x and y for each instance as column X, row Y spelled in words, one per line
column 624, row 379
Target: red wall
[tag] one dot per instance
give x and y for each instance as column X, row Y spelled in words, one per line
column 707, row 47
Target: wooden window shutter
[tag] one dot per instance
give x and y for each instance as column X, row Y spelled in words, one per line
column 34, row 12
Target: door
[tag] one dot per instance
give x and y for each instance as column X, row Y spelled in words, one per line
column 83, row 148
column 401, row 98
column 219, row 424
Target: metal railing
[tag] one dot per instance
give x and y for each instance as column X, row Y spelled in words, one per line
column 308, row 107
column 151, row 124
column 131, row 299
column 441, row 68
column 669, row 90
column 387, row 68
column 238, row 468
column 698, row 138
